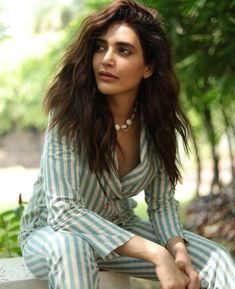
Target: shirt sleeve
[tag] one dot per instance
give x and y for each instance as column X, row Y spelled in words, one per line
column 163, row 208
column 66, row 207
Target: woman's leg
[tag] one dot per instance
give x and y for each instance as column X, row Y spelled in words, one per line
column 211, row 260
column 66, row 261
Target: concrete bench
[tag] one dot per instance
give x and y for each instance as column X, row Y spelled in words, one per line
column 15, row 275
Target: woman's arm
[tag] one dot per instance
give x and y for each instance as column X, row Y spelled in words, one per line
column 164, row 216
column 163, row 208
column 169, row 275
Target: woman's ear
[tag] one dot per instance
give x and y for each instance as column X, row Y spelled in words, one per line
column 148, row 71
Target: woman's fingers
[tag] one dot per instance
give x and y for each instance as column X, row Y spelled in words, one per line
column 194, row 280
column 193, row 277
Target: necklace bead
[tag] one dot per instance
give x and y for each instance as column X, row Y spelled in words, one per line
column 117, row 127
column 129, row 121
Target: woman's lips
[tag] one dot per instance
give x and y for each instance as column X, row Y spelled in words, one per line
column 106, row 76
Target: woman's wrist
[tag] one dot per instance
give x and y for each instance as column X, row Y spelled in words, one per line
column 156, row 253
column 176, row 246
column 159, row 255
column 178, row 250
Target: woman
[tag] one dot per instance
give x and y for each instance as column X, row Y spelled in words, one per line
column 114, row 116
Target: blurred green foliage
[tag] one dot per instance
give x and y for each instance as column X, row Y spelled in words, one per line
column 9, row 228
column 202, row 36
column 203, row 40
column 20, row 94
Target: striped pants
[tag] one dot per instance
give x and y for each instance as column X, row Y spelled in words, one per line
column 68, row 261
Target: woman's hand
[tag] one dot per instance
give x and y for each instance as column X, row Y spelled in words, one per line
column 168, row 272
column 179, row 252
column 184, row 264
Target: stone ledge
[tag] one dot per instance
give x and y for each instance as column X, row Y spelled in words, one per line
column 15, row 275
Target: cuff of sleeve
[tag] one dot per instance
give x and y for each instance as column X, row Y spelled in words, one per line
column 180, row 234
column 113, row 243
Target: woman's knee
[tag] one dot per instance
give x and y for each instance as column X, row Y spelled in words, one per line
column 206, row 250
column 56, row 244
column 221, row 253
column 69, row 245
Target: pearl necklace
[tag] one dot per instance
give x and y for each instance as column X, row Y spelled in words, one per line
column 128, row 123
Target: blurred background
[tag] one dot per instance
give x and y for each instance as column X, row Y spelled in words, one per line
column 33, row 37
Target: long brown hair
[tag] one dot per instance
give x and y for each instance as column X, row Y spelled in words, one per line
column 81, row 112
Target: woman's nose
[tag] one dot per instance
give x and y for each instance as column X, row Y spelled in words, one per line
column 108, row 59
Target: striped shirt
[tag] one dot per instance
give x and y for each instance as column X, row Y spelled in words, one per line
column 69, row 197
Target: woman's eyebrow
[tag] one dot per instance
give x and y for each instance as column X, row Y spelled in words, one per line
column 123, row 43
column 118, row 43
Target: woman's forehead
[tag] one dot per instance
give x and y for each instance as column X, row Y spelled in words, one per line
column 121, row 32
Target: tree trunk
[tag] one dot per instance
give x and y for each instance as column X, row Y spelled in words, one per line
column 227, row 125
column 211, row 137
column 198, row 162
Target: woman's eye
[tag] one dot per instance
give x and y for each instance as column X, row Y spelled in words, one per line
column 99, row 47
column 124, row 51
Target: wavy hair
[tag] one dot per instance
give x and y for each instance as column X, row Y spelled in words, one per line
column 82, row 113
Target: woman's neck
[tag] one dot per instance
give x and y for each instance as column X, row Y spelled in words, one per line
column 121, row 107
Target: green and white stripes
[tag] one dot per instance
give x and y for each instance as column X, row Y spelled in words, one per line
column 69, row 262
column 91, row 215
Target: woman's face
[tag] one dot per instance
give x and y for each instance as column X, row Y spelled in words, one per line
column 118, row 61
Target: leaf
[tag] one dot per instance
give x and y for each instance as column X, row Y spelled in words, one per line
column 6, row 213
column 16, row 250
column 14, row 228
column 14, row 238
